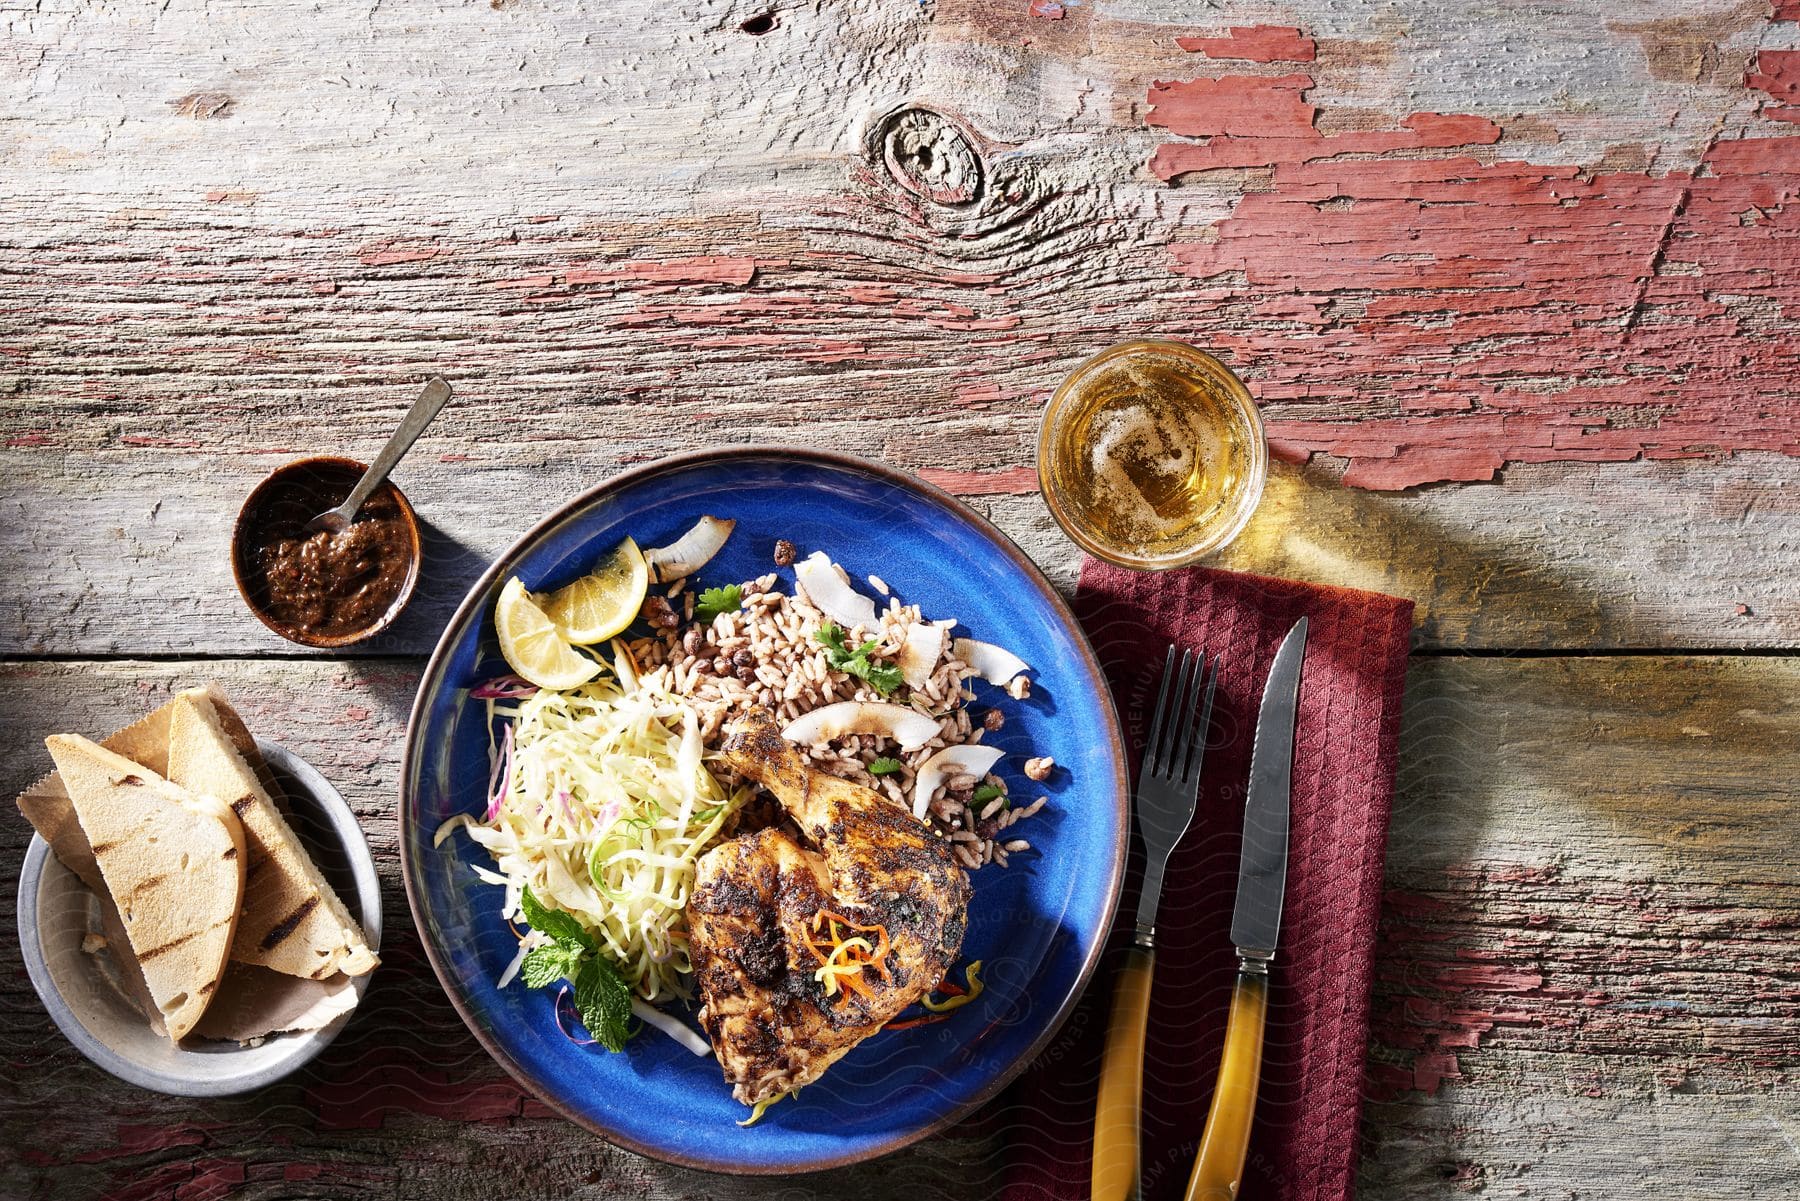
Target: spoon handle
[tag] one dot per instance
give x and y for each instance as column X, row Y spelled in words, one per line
column 430, row 401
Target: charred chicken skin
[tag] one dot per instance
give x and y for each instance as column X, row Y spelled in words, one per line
column 802, row 949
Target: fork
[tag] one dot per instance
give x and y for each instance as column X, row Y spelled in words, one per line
column 1167, row 789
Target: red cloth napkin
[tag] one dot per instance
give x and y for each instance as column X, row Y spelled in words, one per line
column 1304, row 1140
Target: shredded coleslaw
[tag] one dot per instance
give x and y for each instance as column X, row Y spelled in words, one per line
column 601, row 803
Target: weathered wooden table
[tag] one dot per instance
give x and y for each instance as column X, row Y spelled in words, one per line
column 1515, row 285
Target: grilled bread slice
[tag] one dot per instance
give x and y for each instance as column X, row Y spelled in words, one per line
column 293, row 922
column 174, row 864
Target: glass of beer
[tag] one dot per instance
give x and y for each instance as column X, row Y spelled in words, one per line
column 1151, row 455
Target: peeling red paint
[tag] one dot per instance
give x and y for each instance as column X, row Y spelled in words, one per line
column 181, row 1180
column 213, row 1179
column 871, row 294
column 1014, row 481
column 1420, row 131
column 133, row 1139
column 1469, row 314
column 1050, row 10
column 388, row 257
column 1009, row 321
column 1248, row 106
column 147, row 440
column 1430, row 1072
column 1257, row 44
column 702, row 269
column 981, row 392
column 523, row 281
column 1778, row 74
column 1449, row 997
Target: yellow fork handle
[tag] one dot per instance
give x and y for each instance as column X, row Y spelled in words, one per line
column 1219, row 1167
column 1118, row 1112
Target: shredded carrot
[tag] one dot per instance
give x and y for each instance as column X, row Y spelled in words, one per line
column 841, row 959
column 909, row 1023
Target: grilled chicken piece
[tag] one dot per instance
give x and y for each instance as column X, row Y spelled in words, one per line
column 757, row 901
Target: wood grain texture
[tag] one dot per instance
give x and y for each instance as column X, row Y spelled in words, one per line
column 1559, row 232
column 1588, row 974
column 1551, row 245
column 1646, row 555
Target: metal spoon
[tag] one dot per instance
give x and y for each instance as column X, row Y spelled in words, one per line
column 417, row 418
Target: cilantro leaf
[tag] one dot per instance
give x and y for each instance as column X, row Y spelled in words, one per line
column 885, row 678
column 548, row 964
column 714, row 601
column 885, row 766
column 563, row 927
column 833, row 637
column 604, row 1001
column 985, row 793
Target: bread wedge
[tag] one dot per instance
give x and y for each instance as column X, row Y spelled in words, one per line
column 174, row 864
column 53, row 817
column 292, row 921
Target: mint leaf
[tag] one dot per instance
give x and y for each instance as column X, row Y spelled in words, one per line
column 604, row 1001
column 563, row 927
column 885, row 766
column 986, row 793
column 885, row 678
column 715, row 601
column 548, row 964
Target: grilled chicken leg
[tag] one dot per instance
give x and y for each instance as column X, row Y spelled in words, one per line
column 755, row 919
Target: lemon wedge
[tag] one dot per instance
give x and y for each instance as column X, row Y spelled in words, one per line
column 603, row 602
column 532, row 645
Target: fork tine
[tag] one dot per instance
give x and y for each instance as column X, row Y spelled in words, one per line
column 1167, row 756
column 1202, row 726
column 1157, row 716
column 1184, row 733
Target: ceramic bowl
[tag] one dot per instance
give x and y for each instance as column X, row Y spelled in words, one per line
column 56, row 910
column 243, row 572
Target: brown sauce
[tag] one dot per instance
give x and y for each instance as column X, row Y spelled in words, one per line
column 324, row 586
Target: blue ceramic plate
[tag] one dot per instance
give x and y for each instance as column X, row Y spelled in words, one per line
column 1038, row 925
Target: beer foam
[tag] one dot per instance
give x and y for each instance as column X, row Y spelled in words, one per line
column 1145, row 462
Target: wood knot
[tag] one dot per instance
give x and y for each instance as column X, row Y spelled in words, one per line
column 930, row 155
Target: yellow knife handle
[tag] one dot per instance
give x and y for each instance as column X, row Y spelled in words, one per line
column 1118, row 1112
column 1219, row 1167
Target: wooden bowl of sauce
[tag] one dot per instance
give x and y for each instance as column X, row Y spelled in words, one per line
column 324, row 589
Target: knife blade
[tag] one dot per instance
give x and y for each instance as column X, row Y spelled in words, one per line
column 1262, row 863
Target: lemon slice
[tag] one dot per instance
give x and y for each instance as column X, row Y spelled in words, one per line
column 603, row 602
column 532, row 645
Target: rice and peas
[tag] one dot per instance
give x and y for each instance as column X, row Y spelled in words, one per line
column 788, row 672
column 603, row 797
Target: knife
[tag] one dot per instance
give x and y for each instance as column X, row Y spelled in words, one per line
column 1255, row 926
